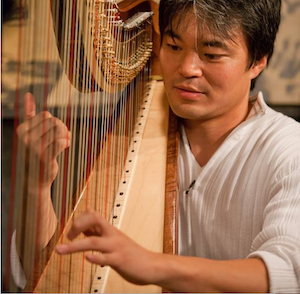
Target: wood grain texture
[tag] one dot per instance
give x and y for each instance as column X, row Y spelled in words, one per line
column 171, row 202
column 138, row 210
column 143, row 209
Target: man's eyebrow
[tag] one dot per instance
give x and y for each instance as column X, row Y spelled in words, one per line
column 214, row 43
column 172, row 34
column 204, row 43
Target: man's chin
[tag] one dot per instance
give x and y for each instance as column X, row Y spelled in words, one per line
column 189, row 114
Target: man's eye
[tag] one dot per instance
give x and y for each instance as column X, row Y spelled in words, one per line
column 212, row 56
column 173, row 47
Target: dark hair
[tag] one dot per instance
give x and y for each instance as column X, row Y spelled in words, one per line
column 258, row 19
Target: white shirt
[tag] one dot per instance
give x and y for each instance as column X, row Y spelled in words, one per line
column 245, row 201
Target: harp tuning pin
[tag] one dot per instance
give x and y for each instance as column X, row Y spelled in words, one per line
column 118, row 16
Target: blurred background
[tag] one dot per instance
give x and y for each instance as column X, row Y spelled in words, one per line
column 280, row 84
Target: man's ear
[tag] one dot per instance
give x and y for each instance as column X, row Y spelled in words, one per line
column 258, row 67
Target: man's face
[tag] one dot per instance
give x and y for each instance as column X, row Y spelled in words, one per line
column 205, row 76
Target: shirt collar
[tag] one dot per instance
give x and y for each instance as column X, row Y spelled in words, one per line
column 258, row 105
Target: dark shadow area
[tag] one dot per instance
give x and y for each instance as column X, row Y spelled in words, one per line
column 289, row 110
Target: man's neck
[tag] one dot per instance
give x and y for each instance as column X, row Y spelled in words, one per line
column 206, row 136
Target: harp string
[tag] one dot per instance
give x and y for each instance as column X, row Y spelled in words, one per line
column 101, row 118
column 61, row 195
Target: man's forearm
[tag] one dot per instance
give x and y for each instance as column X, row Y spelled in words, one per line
column 175, row 273
column 35, row 227
column 192, row 274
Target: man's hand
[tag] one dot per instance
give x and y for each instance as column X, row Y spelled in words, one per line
column 129, row 259
column 173, row 272
column 43, row 138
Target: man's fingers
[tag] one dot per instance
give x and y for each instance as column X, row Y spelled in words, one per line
column 86, row 222
column 51, row 129
column 60, row 146
column 93, row 243
column 100, row 259
column 43, row 137
column 29, row 106
column 30, row 125
column 49, row 151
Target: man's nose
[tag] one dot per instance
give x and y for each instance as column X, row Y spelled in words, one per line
column 191, row 65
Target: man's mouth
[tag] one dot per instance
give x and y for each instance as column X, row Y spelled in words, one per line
column 189, row 89
column 188, row 92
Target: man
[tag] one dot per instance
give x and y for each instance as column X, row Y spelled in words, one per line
column 239, row 163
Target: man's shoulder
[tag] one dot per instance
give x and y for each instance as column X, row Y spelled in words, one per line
column 282, row 124
column 272, row 118
column 281, row 133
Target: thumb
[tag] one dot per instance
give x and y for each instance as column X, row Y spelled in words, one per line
column 29, row 107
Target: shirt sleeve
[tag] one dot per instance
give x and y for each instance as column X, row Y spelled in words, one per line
column 278, row 244
column 16, row 266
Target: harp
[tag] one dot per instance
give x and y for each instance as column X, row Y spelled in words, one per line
column 91, row 68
